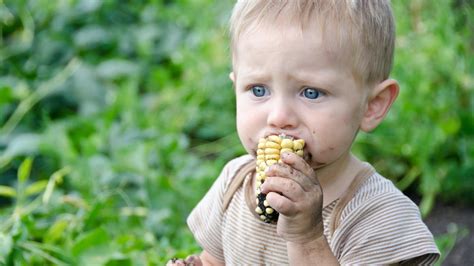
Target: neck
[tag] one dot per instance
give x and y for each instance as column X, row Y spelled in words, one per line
column 336, row 177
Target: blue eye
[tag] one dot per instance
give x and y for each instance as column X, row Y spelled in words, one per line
column 259, row 91
column 311, row 93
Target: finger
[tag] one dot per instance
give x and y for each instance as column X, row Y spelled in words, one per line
column 175, row 262
column 299, row 164
column 284, row 186
column 281, row 204
column 286, row 171
column 193, row 260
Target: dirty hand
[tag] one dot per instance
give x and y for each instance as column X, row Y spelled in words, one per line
column 294, row 191
column 192, row 260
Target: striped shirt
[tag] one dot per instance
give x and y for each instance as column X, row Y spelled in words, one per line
column 379, row 225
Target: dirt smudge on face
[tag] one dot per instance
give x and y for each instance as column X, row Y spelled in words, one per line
column 253, row 152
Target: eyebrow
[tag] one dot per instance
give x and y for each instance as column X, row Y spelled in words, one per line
column 312, row 79
column 253, row 74
column 307, row 78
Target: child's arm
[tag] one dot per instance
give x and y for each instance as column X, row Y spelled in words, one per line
column 306, row 254
column 294, row 191
column 208, row 259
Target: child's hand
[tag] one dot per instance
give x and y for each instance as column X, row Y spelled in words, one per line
column 294, row 191
column 190, row 260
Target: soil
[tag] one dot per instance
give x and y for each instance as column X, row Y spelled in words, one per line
column 463, row 216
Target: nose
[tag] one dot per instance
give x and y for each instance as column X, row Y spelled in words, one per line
column 281, row 115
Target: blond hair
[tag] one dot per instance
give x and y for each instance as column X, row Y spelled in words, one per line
column 364, row 28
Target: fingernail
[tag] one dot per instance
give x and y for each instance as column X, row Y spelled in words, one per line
column 190, row 259
column 268, row 169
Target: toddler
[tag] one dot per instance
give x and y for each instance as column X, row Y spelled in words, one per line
column 316, row 70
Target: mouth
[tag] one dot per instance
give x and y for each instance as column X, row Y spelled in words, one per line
column 307, row 156
column 282, row 135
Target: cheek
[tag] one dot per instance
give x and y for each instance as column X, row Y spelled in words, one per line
column 248, row 141
column 331, row 148
column 247, row 129
column 333, row 137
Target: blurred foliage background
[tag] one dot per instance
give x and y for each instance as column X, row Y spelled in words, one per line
column 116, row 117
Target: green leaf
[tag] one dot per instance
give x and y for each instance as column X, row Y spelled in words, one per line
column 41, row 251
column 6, row 94
column 426, row 204
column 56, row 230
column 56, row 177
column 121, row 261
column 6, row 245
column 447, row 241
column 409, row 178
column 36, row 187
column 24, row 170
column 22, row 144
column 90, row 241
column 6, row 191
column 116, row 68
column 91, row 36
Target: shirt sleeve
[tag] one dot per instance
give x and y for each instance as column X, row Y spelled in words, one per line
column 205, row 220
column 385, row 230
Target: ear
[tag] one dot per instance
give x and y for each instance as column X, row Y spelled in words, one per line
column 379, row 102
column 232, row 78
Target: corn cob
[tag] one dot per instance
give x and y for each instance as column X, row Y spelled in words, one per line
column 268, row 153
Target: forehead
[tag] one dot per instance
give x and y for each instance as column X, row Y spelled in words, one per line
column 304, row 46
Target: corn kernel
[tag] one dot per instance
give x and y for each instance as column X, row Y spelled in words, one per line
column 268, row 210
column 300, row 153
column 298, row 144
column 273, row 145
column 272, row 157
column 287, row 143
column 285, row 150
column 274, row 138
column 271, row 162
column 271, row 151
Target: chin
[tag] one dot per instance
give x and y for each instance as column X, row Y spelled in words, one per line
column 251, row 150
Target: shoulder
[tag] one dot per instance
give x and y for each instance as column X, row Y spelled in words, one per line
column 382, row 223
column 235, row 164
column 232, row 166
column 379, row 192
column 206, row 219
column 379, row 203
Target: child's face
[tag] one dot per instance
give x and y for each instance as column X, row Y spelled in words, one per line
column 288, row 82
